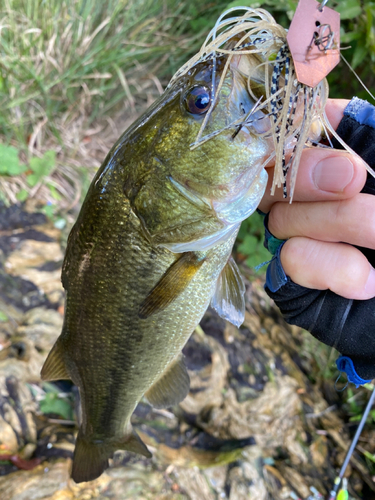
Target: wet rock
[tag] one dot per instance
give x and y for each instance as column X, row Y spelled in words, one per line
column 52, row 481
column 42, row 327
column 17, row 409
column 195, row 484
column 207, row 381
column 259, row 422
column 30, row 256
column 16, row 217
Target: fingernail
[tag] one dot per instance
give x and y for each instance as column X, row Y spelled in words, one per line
column 370, row 284
column 333, row 174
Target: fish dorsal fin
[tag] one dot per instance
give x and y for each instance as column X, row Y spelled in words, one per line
column 171, row 285
column 54, row 367
column 228, row 300
column 172, row 387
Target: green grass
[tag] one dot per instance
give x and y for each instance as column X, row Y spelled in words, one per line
column 63, row 57
column 67, row 66
column 70, row 68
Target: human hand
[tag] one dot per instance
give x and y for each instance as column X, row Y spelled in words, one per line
column 327, row 216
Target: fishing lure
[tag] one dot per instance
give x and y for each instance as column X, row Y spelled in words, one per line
column 255, row 31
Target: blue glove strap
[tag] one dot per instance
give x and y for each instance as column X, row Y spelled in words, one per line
column 275, row 276
column 345, row 364
column 361, row 111
column 270, row 241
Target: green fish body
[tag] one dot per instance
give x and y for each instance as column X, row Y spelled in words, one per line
column 150, row 250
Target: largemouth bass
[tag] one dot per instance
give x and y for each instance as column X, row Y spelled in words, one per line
column 152, row 248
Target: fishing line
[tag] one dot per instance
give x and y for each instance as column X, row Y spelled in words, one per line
column 343, row 144
column 237, row 123
column 350, row 452
column 357, row 76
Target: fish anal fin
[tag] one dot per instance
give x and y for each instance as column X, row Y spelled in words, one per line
column 173, row 282
column 228, row 300
column 54, row 367
column 172, row 387
column 132, row 442
column 90, row 460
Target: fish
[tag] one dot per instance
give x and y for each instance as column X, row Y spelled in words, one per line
column 151, row 249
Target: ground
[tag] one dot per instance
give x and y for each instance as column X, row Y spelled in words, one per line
column 260, row 421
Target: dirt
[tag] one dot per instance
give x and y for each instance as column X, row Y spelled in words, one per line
column 261, row 420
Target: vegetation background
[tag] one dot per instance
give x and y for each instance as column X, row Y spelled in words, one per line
column 75, row 73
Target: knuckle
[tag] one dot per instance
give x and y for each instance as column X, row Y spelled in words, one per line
column 298, row 257
column 277, row 222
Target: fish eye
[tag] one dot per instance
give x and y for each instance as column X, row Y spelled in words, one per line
column 197, row 100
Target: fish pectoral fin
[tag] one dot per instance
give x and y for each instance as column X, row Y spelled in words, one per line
column 54, row 367
column 171, row 285
column 172, row 387
column 229, row 298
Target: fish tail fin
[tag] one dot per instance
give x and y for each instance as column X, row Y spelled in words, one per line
column 90, row 459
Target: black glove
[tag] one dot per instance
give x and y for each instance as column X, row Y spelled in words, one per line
column 348, row 325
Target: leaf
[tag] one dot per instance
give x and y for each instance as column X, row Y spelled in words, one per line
column 349, row 9
column 22, row 195
column 260, row 256
column 49, row 210
column 41, row 167
column 9, row 162
column 249, row 245
column 8, row 158
column 55, row 194
column 359, row 55
column 17, row 169
column 244, row 3
column 349, row 37
column 52, row 403
column 32, row 180
column 3, row 316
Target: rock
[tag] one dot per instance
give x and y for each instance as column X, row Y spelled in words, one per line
column 17, row 409
column 259, row 422
column 41, row 326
